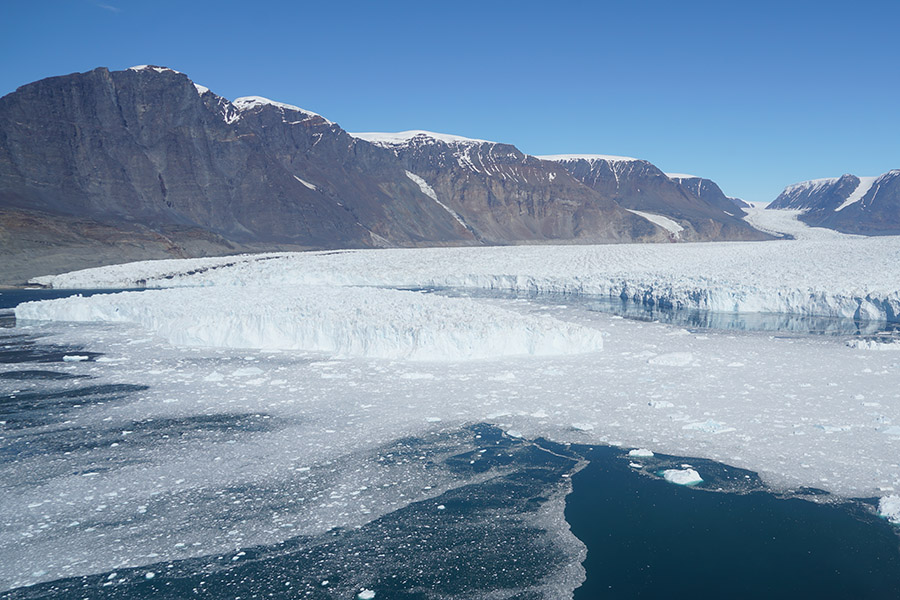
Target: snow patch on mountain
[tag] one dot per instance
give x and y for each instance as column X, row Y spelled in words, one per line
column 429, row 191
column 865, row 184
column 153, row 68
column 246, row 103
column 306, row 183
column 677, row 176
column 587, row 157
column 403, row 138
column 811, row 185
column 665, row 222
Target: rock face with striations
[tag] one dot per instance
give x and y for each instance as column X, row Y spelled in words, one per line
column 104, row 167
column 851, row 204
column 146, row 145
column 504, row 196
column 710, row 192
column 640, row 186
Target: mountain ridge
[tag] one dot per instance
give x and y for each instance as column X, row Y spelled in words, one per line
column 146, row 152
column 849, row 203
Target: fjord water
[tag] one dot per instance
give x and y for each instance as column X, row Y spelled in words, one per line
column 647, row 538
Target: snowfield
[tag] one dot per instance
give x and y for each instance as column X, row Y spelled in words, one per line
column 309, row 360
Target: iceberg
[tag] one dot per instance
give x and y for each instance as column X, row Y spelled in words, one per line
column 344, row 321
column 682, row 476
column 889, row 508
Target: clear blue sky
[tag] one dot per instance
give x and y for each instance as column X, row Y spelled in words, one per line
column 755, row 95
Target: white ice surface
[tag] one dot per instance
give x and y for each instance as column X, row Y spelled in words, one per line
column 681, row 176
column 889, row 508
column 355, row 321
column 786, row 222
column 682, row 476
column 640, row 453
column 665, row 222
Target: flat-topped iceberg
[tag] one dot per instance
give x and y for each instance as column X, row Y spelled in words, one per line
column 348, row 321
column 682, row 476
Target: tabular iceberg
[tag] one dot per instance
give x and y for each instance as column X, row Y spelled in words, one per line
column 346, row 321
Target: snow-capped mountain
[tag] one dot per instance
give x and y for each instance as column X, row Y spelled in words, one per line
column 851, row 204
column 703, row 211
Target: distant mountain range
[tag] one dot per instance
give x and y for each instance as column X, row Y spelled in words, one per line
column 104, row 167
column 851, row 204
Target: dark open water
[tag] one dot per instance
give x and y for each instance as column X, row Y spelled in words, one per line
column 646, row 538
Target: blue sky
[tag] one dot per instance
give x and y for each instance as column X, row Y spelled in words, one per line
column 755, row 95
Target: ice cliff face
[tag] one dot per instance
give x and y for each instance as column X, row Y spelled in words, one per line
column 851, row 277
column 367, row 322
column 850, row 204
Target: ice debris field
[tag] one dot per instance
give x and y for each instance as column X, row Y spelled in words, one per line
column 320, row 362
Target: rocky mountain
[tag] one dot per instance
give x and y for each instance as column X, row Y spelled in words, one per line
column 851, row 204
column 502, row 195
column 104, row 167
column 640, row 186
column 709, row 191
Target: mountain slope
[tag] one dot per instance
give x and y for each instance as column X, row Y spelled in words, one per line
column 101, row 167
column 639, row 185
column 503, row 195
column 710, row 192
column 148, row 145
column 850, row 204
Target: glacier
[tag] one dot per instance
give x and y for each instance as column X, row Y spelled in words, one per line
column 818, row 274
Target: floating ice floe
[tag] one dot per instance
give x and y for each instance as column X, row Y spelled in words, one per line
column 873, row 345
column 889, row 508
column 682, row 476
column 641, row 453
column 367, row 322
